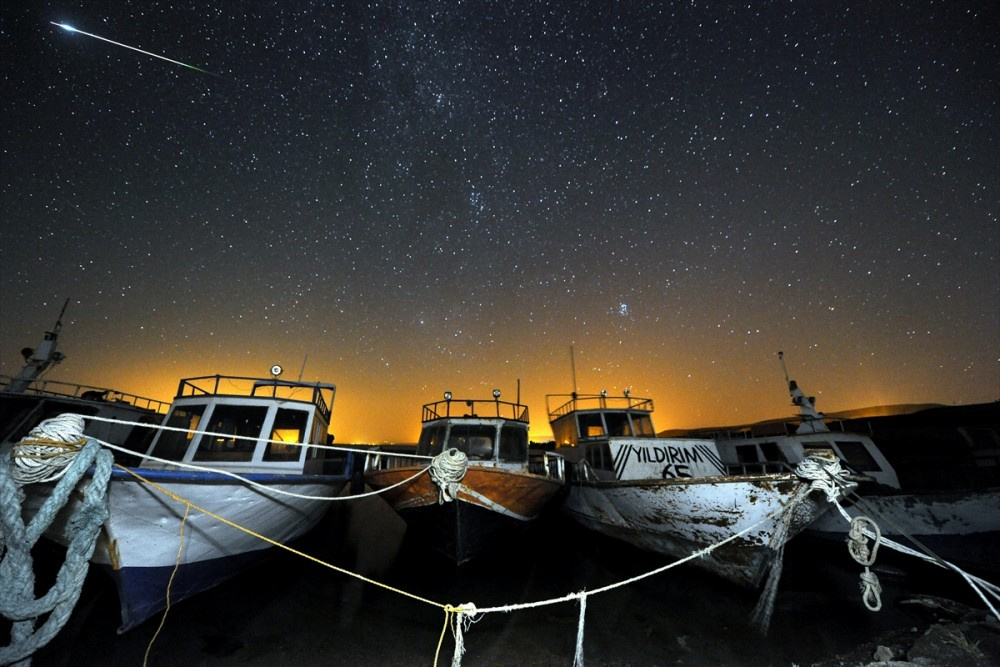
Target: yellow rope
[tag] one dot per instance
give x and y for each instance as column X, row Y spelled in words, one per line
column 54, row 444
column 170, row 583
column 275, row 543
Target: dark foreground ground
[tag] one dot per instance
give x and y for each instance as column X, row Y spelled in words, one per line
column 292, row 612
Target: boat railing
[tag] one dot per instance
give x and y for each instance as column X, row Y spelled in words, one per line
column 482, row 408
column 385, row 457
column 758, row 467
column 58, row 389
column 319, row 394
column 548, row 464
column 577, row 402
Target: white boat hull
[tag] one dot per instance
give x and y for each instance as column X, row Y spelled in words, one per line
column 679, row 517
column 141, row 543
column 961, row 528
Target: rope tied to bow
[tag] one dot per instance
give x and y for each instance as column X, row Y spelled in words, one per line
column 17, row 577
column 44, row 455
column 448, row 470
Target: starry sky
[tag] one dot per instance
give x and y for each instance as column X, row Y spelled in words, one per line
column 405, row 198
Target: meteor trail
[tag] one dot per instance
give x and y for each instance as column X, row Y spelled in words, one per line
column 70, row 28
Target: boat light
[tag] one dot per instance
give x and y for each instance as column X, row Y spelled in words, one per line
column 604, row 392
column 496, row 394
column 276, row 370
column 447, row 395
column 628, row 392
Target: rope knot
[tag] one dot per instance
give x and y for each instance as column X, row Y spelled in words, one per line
column 824, row 474
column 857, row 546
column 447, row 470
column 45, row 453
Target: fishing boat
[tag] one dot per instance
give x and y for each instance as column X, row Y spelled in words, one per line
column 237, row 466
column 473, row 482
column 931, row 479
column 29, row 398
column 678, row 496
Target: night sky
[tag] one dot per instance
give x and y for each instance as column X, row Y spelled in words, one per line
column 408, row 198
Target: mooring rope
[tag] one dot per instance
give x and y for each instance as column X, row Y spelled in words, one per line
column 448, row 470
column 822, row 474
column 50, row 459
column 981, row 587
column 857, row 546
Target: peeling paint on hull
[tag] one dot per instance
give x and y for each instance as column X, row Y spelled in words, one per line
column 679, row 517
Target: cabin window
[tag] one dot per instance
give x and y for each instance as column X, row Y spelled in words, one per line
column 591, row 425
column 476, row 440
column 599, row 457
column 772, row 452
column 431, row 440
column 172, row 445
column 238, row 427
column 289, row 425
column 513, row 444
column 617, row 423
column 857, row 456
column 642, row 424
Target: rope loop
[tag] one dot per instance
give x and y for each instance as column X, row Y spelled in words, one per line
column 857, row 546
column 448, row 470
column 871, row 590
column 44, row 455
column 857, row 542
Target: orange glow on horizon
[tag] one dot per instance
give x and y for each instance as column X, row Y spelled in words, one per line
column 378, row 405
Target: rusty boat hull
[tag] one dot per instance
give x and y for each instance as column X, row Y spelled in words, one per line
column 492, row 506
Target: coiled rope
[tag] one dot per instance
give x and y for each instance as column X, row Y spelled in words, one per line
column 448, row 470
column 57, row 454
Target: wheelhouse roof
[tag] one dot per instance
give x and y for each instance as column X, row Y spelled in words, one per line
column 460, row 408
column 319, row 394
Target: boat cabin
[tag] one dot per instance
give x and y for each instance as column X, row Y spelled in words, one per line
column 246, row 424
column 771, row 453
column 595, row 417
column 485, row 431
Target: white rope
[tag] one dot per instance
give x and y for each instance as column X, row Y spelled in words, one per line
column 17, row 578
column 857, row 545
column 578, row 654
column 464, row 617
column 824, row 475
column 701, row 553
column 982, row 587
column 39, row 458
column 233, row 475
column 448, row 470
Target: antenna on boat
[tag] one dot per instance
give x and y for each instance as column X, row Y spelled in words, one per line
column 812, row 419
column 572, row 365
column 781, row 358
column 518, row 391
column 40, row 359
column 303, row 369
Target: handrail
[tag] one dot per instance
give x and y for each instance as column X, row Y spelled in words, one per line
column 482, row 408
column 236, row 385
column 579, row 402
column 78, row 391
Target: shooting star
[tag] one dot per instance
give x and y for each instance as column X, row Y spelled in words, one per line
column 70, row 28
